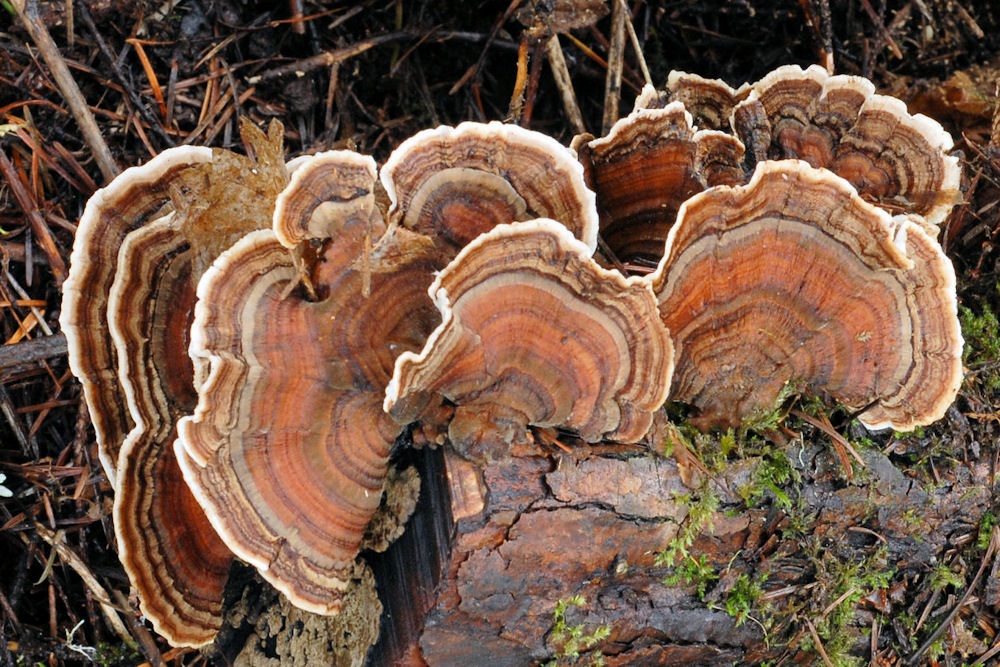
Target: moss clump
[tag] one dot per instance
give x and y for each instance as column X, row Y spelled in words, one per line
column 572, row 639
column 982, row 350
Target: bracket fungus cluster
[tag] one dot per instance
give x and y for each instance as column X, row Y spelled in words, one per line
column 779, row 259
column 701, row 133
column 288, row 447
column 322, row 311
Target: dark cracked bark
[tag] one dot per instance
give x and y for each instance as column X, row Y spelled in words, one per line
column 491, row 556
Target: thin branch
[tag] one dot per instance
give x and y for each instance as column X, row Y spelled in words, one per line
column 27, row 11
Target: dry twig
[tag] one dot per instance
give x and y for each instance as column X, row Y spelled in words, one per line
column 27, row 11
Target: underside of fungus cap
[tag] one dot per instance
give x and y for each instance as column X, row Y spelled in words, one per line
column 643, row 170
column 454, row 183
column 534, row 332
column 794, row 280
column 287, row 449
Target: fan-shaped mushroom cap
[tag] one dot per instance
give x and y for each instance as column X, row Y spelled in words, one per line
column 535, row 332
column 454, row 183
column 710, row 101
column 127, row 308
column 288, row 446
column 325, row 189
column 137, row 195
column 794, row 278
column 645, row 167
column 174, row 559
column 838, row 122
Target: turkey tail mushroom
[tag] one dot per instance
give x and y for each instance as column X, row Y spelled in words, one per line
column 141, row 246
column 288, row 446
column 535, row 332
column 794, row 279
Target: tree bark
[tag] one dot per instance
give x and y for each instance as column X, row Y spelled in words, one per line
column 502, row 564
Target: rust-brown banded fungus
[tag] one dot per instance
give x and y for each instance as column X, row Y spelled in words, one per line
column 454, row 183
column 645, row 167
column 141, row 246
column 535, row 332
column 892, row 158
column 138, row 195
column 287, row 449
column 709, row 101
column 795, row 279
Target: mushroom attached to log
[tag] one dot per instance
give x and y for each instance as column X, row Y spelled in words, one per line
column 535, row 332
column 793, row 279
column 287, row 448
column 454, row 183
column 164, row 225
column 645, row 167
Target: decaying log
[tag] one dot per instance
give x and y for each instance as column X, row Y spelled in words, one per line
column 516, row 540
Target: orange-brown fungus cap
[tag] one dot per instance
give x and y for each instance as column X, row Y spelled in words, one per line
column 175, row 560
column 152, row 231
column 454, row 183
column 644, row 169
column 794, row 278
column 324, row 189
column 288, row 446
column 535, row 332
column 894, row 159
column 709, row 101
column 138, row 195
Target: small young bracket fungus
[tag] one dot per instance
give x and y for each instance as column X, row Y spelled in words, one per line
column 140, row 247
column 535, row 332
column 894, row 159
column 646, row 166
column 794, row 278
column 288, row 446
column 454, row 183
column 709, row 101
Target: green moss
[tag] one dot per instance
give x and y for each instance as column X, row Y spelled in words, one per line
column 847, row 583
column 773, row 471
column 693, row 571
column 699, row 518
column 111, row 655
column 742, row 597
column 982, row 349
column 986, row 523
column 982, row 335
column 768, row 420
column 943, row 576
column 571, row 640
